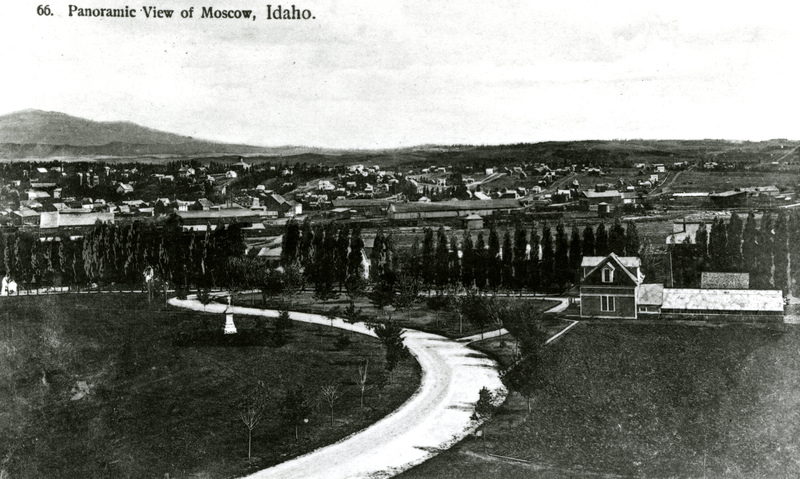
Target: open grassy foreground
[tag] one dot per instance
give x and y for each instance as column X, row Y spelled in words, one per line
column 100, row 386
column 648, row 401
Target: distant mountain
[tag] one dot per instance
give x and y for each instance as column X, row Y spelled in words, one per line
column 39, row 134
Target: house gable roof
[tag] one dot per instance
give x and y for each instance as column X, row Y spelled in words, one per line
column 627, row 261
column 632, row 261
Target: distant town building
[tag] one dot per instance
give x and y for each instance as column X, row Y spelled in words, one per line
column 445, row 209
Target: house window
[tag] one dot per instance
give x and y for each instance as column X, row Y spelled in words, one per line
column 607, row 303
column 608, row 275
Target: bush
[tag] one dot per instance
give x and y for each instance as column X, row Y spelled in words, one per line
column 437, row 303
column 282, row 325
column 342, row 342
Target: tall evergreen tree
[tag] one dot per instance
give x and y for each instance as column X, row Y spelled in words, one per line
column 355, row 266
column 63, row 252
column 36, row 262
column 480, row 262
column 547, row 267
column 291, row 243
column 120, row 256
column 8, row 256
column 575, row 255
column 794, row 251
column 455, row 263
column 763, row 276
column 601, row 246
column 428, row 265
column 305, row 254
column 562, row 272
column 781, row 252
column 340, row 258
column 718, row 246
column 88, row 257
column 390, row 255
column 750, row 246
column 378, row 254
column 632, row 242
column 588, row 241
column 534, row 263
column 468, row 261
column 325, row 263
column 616, row 238
column 520, row 261
column 701, row 242
column 508, row 262
column 493, row 259
column 413, row 266
column 734, row 243
column 442, row 259
column 2, row 252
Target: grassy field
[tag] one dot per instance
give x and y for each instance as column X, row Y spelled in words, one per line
column 420, row 316
column 648, row 401
column 728, row 180
column 95, row 386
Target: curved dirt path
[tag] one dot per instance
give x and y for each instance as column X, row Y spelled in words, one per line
column 432, row 420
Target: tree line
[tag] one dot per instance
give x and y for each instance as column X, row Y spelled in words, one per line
column 766, row 251
column 546, row 259
column 112, row 253
column 538, row 258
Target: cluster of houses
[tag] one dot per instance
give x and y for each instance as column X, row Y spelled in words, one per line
column 356, row 182
column 75, row 217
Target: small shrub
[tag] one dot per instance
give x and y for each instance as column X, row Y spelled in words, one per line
column 437, row 303
column 342, row 342
column 282, row 325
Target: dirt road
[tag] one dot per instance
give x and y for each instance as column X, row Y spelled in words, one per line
column 435, row 418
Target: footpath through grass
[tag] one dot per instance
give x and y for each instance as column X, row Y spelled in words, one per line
column 100, row 386
column 648, row 400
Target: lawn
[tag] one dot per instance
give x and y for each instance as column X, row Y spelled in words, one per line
column 648, row 401
column 420, row 316
column 97, row 386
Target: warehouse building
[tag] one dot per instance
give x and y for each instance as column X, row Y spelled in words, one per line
column 451, row 209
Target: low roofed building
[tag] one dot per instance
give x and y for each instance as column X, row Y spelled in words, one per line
column 710, row 280
column 445, row 209
column 716, row 302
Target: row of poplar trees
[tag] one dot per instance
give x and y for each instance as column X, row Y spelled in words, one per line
column 523, row 259
column 328, row 253
column 112, row 253
column 767, row 251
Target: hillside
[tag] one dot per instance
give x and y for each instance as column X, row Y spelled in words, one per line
column 38, row 134
column 32, row 134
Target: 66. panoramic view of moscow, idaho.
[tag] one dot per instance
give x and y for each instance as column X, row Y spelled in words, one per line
column 414, row 239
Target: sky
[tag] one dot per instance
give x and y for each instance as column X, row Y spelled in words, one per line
column 367, row 74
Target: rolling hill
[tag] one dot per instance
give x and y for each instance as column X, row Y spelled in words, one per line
column 41, row 134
